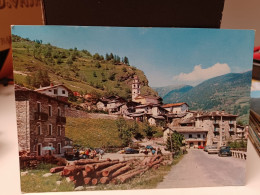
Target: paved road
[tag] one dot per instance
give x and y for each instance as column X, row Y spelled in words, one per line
column 199, row 169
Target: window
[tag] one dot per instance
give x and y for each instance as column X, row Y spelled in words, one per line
column 59, row 130
column 63, row 92
column 50, row 129
column 39, row 129
column 190, row 135
column 59, row 148
column 50, row 110
column 59, row 112
column 55, row 91
column 198, row 136
column 38, row 106
column 50, row 90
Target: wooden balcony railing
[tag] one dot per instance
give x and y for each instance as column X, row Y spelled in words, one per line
column 61, row 119
column 41, row 116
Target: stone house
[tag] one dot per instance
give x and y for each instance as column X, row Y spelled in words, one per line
column 194, row 137
column 156, row 120
column 142, row 99
column 176, row 108
column 102, row 104
column 40, row 121
column 60, row 92
column 221, row 126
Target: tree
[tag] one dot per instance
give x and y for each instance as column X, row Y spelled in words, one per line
column 149, row 131
column 124, row 131
column 112, row 76
column 96, row 56
column 174, row 142
column 69, row 61
column 107, row 57
column 126, row 61
column 94, row 74
column 98, row 65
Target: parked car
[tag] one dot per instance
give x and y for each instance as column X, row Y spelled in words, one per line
column 213, row 150
column 200, row 147
column 224, row 151
column 206, row 148
column 131, row 151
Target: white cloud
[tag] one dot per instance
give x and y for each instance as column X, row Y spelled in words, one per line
column 199, row 74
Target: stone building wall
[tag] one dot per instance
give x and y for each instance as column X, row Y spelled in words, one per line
column 23, row 125
column 44, row 138
column 29, row 136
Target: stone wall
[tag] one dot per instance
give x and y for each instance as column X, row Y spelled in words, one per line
column 23, row 125
column 27, row 122
column 73, row 113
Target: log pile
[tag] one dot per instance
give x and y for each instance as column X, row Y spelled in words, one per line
column 94, row 171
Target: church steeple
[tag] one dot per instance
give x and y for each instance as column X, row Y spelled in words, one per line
column 135, row 88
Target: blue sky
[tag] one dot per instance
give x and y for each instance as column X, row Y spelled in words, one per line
column 168, row 56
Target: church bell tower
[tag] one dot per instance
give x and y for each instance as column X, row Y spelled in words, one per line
column 135, row 88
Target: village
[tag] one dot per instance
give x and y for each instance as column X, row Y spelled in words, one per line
column 41, row 118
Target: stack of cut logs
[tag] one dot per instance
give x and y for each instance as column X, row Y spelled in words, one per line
column 94, row 171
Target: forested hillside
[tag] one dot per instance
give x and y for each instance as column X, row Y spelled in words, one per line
column 37, row 64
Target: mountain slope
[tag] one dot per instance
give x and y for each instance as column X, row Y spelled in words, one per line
column 230, row 92
column 162, row 91
column 79, row 70
column 176, row 94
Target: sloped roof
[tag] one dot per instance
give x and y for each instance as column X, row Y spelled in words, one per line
column 215, row 113
column 26, row 90
column 188, row 129
column 174, row 105
column 51, row 87
column 144, row 96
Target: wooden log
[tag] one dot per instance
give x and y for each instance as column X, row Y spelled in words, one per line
column 121, row 171
column 71, row 178
column 156, row 166
column 104, row 180
column 72, row 170
column 84, row 173
column 155, row 162
column 105, row 164
column 89, row 168
column 94, row 181
column 79, row 180
column 56, row 169
column 87, row 161
column 68, row 170
column 87, row 180
column 154, row 158
column 145, row 161
column 125, row 177
column 110, row 169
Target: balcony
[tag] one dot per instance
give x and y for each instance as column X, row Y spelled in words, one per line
column 41, row 116
column 231, row 122
column 216, row 129
column 61, row 119
column 216, row 122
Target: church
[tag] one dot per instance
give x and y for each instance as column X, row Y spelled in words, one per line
column 142, row 99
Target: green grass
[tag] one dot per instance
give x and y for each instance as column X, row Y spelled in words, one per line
column 92, row 132
column 35, row 182
column 98, row 132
